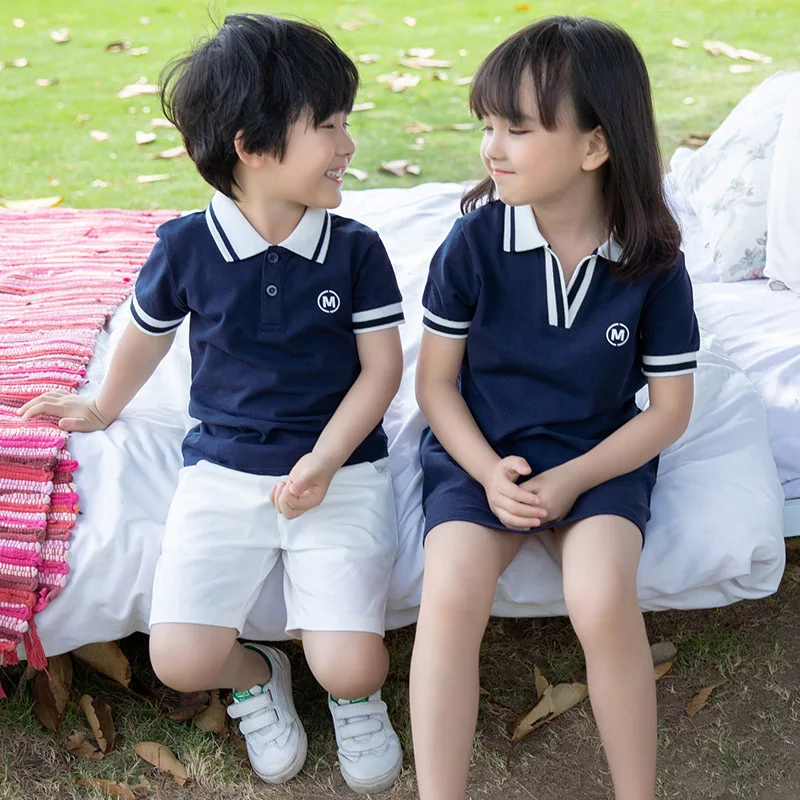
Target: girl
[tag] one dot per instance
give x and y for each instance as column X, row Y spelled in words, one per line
column 546, row 309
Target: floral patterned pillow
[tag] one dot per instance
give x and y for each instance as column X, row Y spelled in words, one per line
column 727, row 180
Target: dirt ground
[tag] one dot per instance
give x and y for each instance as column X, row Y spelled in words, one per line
column 743, row 744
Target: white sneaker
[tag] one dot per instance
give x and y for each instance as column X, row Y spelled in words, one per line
column 369, row 750
column 276, row 740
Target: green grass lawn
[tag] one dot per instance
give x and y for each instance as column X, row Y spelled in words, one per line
column 45, row 144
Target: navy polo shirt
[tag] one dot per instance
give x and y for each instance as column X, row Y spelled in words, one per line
column 272, row 328
column 547, row 361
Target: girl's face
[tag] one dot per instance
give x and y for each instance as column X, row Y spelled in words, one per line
column 531, row 165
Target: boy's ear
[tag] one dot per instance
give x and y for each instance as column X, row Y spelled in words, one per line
column 254, row 160
column 596, row 150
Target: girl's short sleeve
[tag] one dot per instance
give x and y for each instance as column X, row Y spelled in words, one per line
column 670, row 337
column 451, row 292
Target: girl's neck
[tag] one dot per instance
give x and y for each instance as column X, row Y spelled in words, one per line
column 575, row 223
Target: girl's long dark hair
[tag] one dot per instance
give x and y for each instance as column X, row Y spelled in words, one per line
column 598, row 69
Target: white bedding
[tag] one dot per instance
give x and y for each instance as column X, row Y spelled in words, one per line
column 715, row 536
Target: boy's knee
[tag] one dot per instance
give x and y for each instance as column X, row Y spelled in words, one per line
column 355, row 668
column 182, row 668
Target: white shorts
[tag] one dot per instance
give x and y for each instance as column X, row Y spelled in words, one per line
column 223, row 537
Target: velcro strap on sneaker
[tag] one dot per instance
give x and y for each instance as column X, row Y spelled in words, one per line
column 365, row 727
column 353, row 710
column 260, row 722
column 249, row 706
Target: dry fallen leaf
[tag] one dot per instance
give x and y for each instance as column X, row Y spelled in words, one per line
column 98, row 136
column 682, row 43
column 160, row 123
column 98, row 184
column 741, row 69
column 144, row 20
column 81, row 118
column 46, row 81
column 400, row 167
column 152, row 178
column 213, row 719
column 413, row 169
column 145, row 138
column 663, row 669
column 463, row 126
column 80, row 747
column 137, row 89
column 418, row 127
column 399, row 82
column 351, row 26
column 173, row 152
column 363, row 107
column 51, row 695
column 164, row 759
column 689, row 101
column 60, row 36
column 410, row 21
column 522, row 7
column 18, row 23
column 19, row 63
column 717, row 48
column 138, row 51
column 111, row 789
column 28, row 205
column 463, row 81
column 368, row 58
column 358, row 174
column 425, row 63
column 117, row 47
column 98, row 715
column 555, row 700
column 696, row 139
column 701, row 698
column 190, row 704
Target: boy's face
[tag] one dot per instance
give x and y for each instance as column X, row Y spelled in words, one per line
column 313, row 165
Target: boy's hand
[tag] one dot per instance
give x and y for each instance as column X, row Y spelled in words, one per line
column 305, row 487
column 515, row 506
column 557, row 490
column 74, row 413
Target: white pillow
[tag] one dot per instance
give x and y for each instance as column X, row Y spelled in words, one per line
column 783, row 202
column 727, row 180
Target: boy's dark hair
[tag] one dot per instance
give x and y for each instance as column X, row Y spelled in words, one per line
column 258, row 74
column 599, row 70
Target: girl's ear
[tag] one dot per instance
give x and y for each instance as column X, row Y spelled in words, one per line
column 596, row 150
column 255, row 160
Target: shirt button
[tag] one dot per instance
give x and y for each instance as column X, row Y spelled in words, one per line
column 272, row 290
column 273, row 258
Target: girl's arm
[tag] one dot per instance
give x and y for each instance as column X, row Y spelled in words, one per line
column 134, row 361
column 628, row 448
column 438, row 367
column 642, row 438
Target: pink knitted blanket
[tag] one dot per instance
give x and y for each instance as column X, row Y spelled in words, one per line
column 62, row 274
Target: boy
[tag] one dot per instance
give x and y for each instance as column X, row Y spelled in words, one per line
column 295, row 358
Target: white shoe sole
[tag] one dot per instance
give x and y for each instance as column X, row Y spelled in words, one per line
column 379, row 784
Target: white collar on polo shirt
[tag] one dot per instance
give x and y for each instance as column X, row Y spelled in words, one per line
column 237, row 239
column 521, row 233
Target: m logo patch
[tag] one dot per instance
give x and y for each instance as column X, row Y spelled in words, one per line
column 617, row 334
column 328, row 301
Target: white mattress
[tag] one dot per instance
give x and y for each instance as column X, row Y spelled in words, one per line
column 715, row 536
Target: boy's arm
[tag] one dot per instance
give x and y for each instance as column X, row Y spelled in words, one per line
column 134, row 361
column 362, row 408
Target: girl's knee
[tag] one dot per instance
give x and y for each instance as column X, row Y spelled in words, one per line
column 186, row 663
column 347, row 665
column 597, row 609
